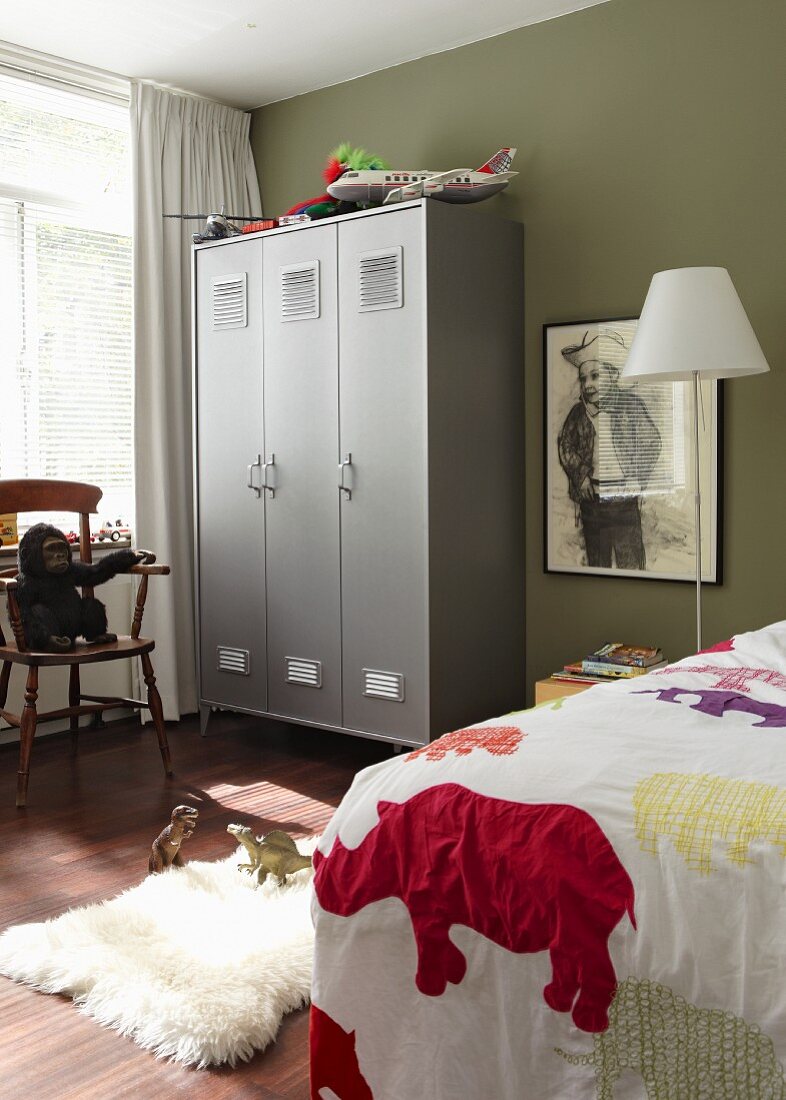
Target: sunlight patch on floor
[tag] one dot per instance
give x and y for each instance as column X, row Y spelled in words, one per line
column 256, row 796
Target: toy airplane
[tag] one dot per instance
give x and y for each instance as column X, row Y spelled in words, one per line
column 217, row 226
column 457, row 185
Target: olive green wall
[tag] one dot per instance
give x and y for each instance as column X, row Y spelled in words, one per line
column 650, row 135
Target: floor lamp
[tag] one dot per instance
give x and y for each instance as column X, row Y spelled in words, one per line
column 693, row 326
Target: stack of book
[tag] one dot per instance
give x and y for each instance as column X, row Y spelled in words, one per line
column 9, row 534
column 613, row 661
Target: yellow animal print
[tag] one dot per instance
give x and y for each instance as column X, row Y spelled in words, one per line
column 692, row 810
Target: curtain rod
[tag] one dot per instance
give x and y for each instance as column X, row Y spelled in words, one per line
column 49, row 69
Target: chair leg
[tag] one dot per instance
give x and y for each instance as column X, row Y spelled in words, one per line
column 26, row 735
column 5, row 675
column 156, row 710
column 74, row 691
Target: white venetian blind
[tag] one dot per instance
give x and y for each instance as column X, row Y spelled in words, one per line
column 66, row 383
column 659, row 404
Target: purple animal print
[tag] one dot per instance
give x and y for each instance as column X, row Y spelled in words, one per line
column 716, row 703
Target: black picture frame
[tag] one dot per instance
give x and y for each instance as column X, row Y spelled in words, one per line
column 662, row 539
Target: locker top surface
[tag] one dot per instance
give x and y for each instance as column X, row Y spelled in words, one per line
column 445, row 209
column 299, row 227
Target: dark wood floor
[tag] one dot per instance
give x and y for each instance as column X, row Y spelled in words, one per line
column 86, row 835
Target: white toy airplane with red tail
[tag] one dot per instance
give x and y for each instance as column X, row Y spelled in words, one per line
column 457, row 185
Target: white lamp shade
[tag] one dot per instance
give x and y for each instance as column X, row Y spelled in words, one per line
column 693, row 320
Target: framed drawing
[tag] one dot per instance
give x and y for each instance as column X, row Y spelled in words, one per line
column 619, row 493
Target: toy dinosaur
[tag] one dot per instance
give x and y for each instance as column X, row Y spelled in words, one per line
column 166, row 847
column 273, row 854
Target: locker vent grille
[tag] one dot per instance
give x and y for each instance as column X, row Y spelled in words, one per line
column 233, row 660
column 229, row 301
column 383, row 685
column 379, row 280
column 304, row 672
column 300, row 292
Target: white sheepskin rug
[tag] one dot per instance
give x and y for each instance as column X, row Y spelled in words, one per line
column 197, row 964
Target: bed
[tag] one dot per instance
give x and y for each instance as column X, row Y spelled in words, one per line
column 583, row 900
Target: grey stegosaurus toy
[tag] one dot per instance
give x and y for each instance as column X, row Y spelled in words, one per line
column 273, row 854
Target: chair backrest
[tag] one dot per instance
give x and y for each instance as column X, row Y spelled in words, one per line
column 40, row 495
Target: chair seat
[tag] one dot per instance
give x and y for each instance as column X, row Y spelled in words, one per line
column 83, row 653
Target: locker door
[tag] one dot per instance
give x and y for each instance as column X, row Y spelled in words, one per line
column 383, row 509
column 301, row 440
column 231, row 516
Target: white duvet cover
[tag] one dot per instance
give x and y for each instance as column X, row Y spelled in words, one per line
column 583, row 900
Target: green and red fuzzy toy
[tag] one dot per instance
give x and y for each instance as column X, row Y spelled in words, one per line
column 341, row 160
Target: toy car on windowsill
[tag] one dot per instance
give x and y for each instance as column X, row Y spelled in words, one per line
column 114, row 530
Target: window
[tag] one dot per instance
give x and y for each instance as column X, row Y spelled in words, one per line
column 66, row 366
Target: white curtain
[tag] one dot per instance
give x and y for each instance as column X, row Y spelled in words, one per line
column 189, row 156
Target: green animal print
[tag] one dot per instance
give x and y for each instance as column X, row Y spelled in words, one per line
column 682, row 1052
column 552, row 704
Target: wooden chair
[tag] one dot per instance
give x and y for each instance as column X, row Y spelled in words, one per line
column 70, row 496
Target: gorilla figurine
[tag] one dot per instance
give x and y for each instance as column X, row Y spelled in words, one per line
column 53, row 611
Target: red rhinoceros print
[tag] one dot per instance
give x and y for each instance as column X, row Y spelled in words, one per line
column 334, row 1064
column 726, row 646
column 528, row 877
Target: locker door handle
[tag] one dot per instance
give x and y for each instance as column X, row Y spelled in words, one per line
column 343, row 468
column 269, row 483
column 250, row 483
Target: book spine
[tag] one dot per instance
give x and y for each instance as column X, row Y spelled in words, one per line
column 619, row 672
column 625, row 662
column 579, row 677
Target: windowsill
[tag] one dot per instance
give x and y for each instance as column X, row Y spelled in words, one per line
column 97, row 548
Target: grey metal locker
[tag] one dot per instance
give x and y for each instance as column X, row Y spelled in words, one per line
column 475, row 401
column 371, row 580
column 230, row 510
column 383, row 444
column 301, row 441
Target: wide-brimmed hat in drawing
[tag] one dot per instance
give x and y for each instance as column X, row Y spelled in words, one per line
column 610, row 354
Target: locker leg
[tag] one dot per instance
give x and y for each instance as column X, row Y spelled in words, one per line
column 204, row 718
